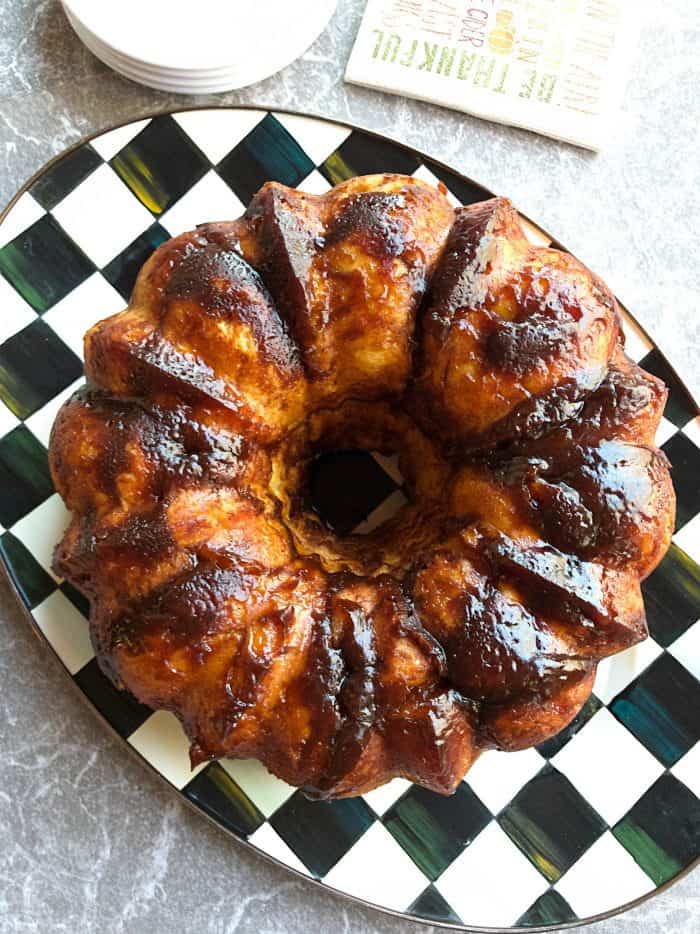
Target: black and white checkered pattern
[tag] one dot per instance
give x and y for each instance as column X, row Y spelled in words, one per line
column 598, row 816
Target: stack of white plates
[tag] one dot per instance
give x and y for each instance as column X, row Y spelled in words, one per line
column 198, row 46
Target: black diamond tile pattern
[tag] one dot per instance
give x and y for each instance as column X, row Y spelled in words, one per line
column 466, row 191
column 119, row 708
column 321, row 832
column 122, row 271
column 268, row 153
column 217, row 793
column 550, row 908
column 31, row 580
column 24, row 475
column 672, row 596
column 432, row 906
column 64, row 176
column 44, row 264
column 160, row 164
column 79, row 601
column 679, row 407
column 35, row 365
column 685, row 471
column 363, row 154
column 551, row 823
column 554, row 745
column 661, row 709
column 662, row 830
column 434, row 829
column 548, row 818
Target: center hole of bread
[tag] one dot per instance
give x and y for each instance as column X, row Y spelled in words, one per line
column 355, row 491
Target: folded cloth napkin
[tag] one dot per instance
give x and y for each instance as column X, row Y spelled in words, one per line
column 554, row 66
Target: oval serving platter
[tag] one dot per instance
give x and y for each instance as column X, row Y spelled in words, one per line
column 593, row 821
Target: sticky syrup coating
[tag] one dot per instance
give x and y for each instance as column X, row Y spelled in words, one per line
column 374, row 316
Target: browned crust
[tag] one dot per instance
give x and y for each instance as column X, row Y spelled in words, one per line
column 473, row 620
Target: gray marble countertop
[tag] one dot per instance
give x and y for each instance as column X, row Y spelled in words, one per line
column 89, row 840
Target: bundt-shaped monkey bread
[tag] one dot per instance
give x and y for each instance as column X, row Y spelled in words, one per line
column 378, row 317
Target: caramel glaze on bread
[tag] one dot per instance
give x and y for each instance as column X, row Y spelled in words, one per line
column 374, row 316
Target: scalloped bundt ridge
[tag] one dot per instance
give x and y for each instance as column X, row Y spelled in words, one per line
column 375, row 316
